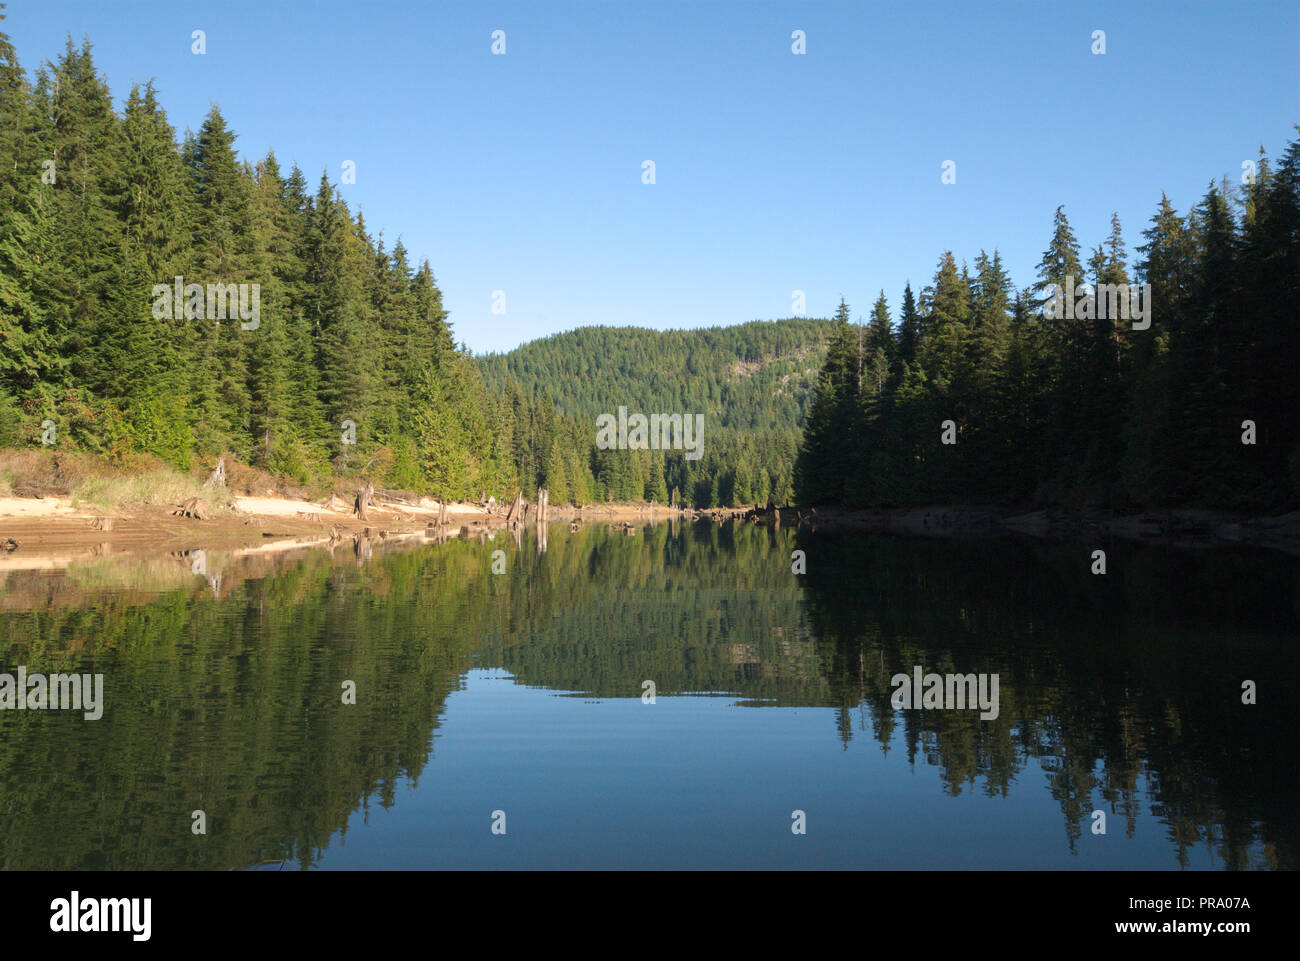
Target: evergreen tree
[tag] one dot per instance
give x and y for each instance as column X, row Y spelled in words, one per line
column 833, row 419
column 909, row 329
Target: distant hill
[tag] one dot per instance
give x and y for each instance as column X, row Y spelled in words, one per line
column 753, row 383
column 755, row 376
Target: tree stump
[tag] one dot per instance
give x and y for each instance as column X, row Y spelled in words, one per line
column 218, row 477
column 192, row 508
column 364, row 496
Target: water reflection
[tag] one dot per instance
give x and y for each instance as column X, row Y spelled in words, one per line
column 224, row 680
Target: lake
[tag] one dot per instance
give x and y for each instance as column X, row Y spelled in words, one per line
column 397, row 705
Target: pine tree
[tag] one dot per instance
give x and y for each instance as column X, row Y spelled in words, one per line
column 880, row 348
column 557, row 482
column 34, row 285
column 833, row 418
column 1209, row 415
column 347, row 352
column 1270, row 257
column 986, row 445
column 1067, row 343
column 83, row 138
column 1103, row 413
column 1148, row 469
column 909, row 330
column 945, row 357
column 139, row 353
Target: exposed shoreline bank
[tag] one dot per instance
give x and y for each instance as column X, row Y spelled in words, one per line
column 48, row 532
column 37, row 532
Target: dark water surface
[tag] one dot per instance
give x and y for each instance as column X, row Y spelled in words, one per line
column 521, row 693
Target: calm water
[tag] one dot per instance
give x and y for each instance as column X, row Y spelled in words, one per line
column 521, row 693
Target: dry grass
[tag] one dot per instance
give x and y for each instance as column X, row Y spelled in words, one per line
column 137, row 483
column 39, row 473
column 143, row 482
column 160, row 488
column 260, row 483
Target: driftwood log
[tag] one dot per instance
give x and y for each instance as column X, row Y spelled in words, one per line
column 396, row 497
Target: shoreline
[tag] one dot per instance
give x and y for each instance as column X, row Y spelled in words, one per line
column 51, row 532
column 1180, row 527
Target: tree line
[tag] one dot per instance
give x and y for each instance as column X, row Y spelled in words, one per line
column 982, row 393
column 351, row 367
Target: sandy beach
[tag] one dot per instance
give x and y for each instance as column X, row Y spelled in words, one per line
column 43, row 532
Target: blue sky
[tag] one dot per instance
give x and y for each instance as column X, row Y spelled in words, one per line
column 774, row 172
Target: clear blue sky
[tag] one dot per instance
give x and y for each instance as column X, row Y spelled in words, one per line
column 774, row 172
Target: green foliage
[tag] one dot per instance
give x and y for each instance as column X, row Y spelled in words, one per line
column 97, row 209
column 1083, row 411
column 160, row 425
column 752, row 383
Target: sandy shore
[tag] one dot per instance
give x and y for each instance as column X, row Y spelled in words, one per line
column 48, row 532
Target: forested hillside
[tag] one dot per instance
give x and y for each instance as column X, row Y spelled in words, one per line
column 98, row 208
column 753, row 376
column 752, row 383
column 1198, row 409
column 350, row 366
